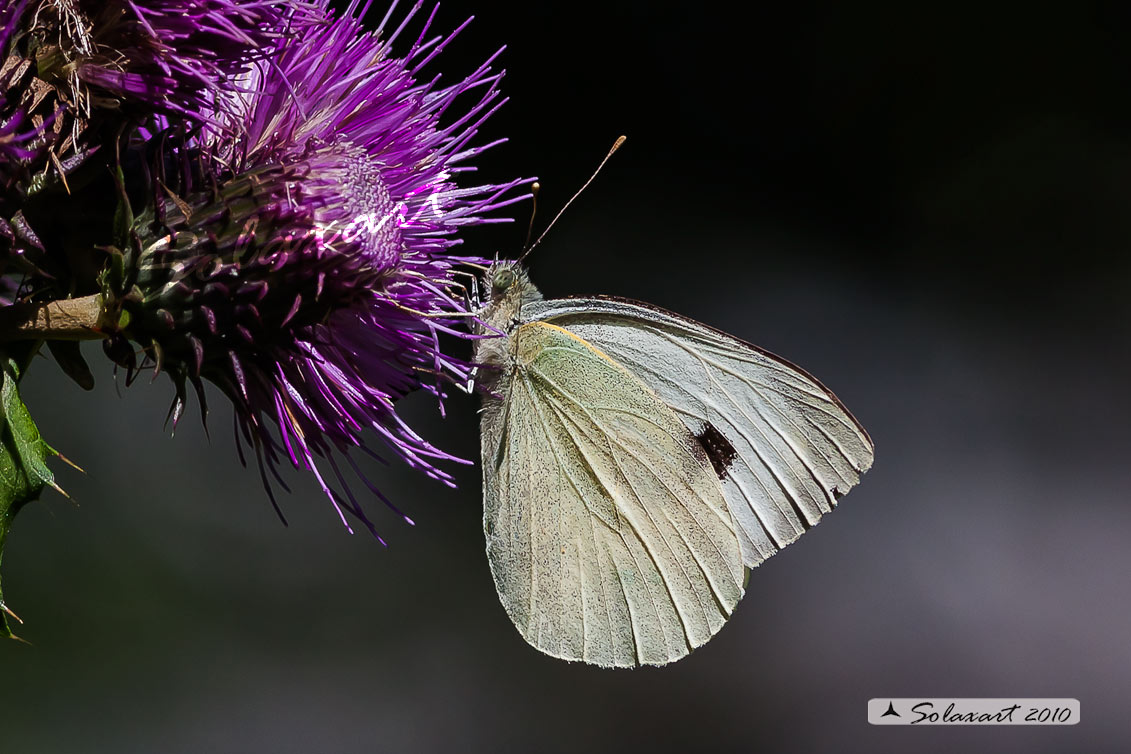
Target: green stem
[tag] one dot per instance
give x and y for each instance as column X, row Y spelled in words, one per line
column 65, row 319
column 5, row 524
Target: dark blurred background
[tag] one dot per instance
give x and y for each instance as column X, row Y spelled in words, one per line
column 928, row 207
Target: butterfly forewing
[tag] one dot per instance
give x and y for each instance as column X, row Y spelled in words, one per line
column 608, row 533
column 787, row 449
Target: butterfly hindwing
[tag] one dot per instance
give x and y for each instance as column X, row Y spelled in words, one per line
column 608, row 534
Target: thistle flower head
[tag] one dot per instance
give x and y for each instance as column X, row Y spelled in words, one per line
column 78, row 74
column 167, row 56
column 15, row 131
column 307, row 270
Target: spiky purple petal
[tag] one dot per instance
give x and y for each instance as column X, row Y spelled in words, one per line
column 18, row 136
column 177, row 57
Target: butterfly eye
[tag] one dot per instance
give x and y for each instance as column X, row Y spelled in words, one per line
column 503, row 280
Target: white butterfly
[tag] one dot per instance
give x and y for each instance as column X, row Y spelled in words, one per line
column 636, row 463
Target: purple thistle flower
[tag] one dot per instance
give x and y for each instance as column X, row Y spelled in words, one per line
column 308, row 273
column 77, row 74
column 23, row 139
column 17, row 135
column 176, row 57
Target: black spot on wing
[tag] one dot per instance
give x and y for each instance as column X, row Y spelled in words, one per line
column 718, row 448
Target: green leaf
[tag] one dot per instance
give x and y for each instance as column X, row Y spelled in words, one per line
column 23, row 462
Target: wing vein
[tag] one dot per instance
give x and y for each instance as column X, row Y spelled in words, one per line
column 564, row 418
column 581, row 496
column 612, row 440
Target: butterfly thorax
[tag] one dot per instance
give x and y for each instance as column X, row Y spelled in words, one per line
column 508, row 290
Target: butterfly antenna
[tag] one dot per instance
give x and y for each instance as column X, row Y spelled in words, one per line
column 616, row 145
column 534, row 189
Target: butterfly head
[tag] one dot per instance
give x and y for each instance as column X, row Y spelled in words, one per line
column 502, row 278
column 510, row 288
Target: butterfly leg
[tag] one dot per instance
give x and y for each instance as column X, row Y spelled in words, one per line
column 474, row 303
column 469, row 386
column 471, row 290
